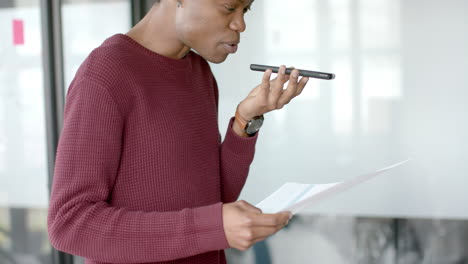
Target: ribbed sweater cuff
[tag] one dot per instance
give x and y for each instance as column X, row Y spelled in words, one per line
column 209, row 227
column 241, row 146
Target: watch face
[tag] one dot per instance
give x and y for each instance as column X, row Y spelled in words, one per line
column 254, row 125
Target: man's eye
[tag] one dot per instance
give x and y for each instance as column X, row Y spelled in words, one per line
column 230, row 9
column 246, row 9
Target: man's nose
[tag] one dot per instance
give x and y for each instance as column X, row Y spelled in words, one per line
column 238, row 24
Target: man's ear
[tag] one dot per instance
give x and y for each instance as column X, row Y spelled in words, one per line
column 180, row 3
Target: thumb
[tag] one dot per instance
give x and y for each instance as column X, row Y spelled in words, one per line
column 250, row 208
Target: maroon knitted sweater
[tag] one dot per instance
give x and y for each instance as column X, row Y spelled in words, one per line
column 141, row 172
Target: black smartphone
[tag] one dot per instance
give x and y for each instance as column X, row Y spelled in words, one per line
column 305, row 73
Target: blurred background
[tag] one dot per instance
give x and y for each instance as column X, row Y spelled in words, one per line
column 400, row 92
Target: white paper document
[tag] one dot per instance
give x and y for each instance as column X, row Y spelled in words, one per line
column 294, row 197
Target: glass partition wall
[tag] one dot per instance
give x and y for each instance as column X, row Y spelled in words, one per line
column 23, row 153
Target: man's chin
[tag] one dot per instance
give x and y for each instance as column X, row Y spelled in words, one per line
column 216, row 59
column 213, row 57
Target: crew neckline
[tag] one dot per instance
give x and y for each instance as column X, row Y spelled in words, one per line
column 168, row 62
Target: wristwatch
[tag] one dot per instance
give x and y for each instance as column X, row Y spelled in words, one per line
column 250, row 127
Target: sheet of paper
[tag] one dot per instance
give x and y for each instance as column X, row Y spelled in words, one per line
column 294, row 197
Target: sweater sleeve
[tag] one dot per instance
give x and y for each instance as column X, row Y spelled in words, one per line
column 82, row 222
column 236, row 156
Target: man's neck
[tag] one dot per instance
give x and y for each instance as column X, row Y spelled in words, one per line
column 156, row 32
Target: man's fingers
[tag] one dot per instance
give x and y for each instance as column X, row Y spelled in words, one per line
column 265, row 86
column 291, row 90
column 266, row 77
column 263, row 232
column 271, row 93
column 282, row 77
column 277, row 87
column 302, row 84
column 271, row 220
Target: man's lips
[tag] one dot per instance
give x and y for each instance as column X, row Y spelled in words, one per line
column 231, row 47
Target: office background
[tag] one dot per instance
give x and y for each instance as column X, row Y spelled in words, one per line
column 400, row 92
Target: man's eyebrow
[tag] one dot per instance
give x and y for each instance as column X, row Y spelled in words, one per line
column 243, row 1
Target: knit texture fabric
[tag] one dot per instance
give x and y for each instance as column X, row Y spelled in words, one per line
column 141, row 172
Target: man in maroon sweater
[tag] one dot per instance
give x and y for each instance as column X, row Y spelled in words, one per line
column 141, row 174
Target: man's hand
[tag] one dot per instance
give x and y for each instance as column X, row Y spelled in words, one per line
column 245, row 225
column 270, row 95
